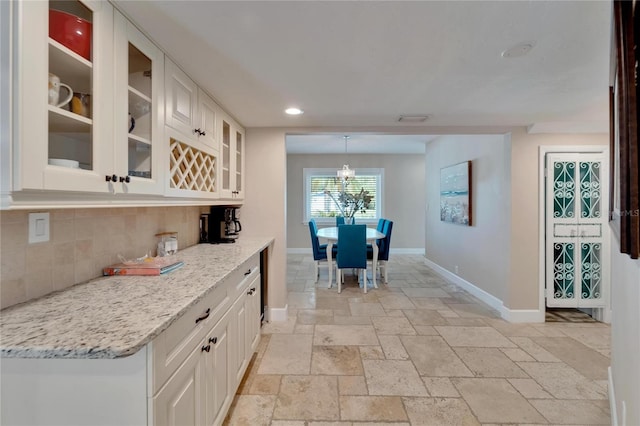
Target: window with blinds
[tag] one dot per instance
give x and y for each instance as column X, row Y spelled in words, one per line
column 322, row 189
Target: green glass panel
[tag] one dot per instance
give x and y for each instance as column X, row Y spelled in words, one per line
column 564, row 189
column 563, row 270
column 591, row 270
column 590, row 190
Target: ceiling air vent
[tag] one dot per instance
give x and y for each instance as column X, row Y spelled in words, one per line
column 413, row 118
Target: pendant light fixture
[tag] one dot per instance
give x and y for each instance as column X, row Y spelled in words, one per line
column 345, row 173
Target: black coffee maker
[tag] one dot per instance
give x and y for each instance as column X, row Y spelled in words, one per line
column 220, row 225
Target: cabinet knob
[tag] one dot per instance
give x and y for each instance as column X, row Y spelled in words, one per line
column 203, row 133
column 111, row 178
column 206, row 348
column 126, row 179
column 213, row 340
column 248, row 272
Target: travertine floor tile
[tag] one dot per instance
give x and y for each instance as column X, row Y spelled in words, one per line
column 251, row 410
column 489, row 362
column 367, row 309
column 345, row 335
column 308, row 397
column 439, row 411
column 287, row 354
column 529, row 388
column 372, row 408
column 352, row 385
column 433, row 357
column 495, row 400
column 562, row 381
column 392, row 348
column 393, row 325
column 562, row 412
column 581, row 358
column 533, row 349
column 424, row 317
column 440, row 386
column 344, row 360
column 424, row 292
column 482, row 337
column 516, row 354
column 389, row 377
column 336, row 360
column 396, row 301
column 265, row 385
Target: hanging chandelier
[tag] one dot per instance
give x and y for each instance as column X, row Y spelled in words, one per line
column 345, row 173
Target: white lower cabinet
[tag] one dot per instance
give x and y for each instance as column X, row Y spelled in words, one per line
column 180, row 401
column 187, row 375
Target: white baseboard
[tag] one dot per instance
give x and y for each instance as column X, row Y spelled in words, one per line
column 522, row 315
column 612, row 399
column 278, row 314
column 511, row 315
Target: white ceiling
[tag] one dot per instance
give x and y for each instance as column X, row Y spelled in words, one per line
column 360, row 64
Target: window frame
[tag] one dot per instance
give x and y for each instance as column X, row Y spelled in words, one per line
column 308, row 173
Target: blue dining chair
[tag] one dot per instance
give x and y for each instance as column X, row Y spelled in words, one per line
column 319, row 250
column 339, row 220
column 384, row 245
column 352, row 240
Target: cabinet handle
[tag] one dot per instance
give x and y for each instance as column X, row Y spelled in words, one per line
column 250, row 292
column 205, row 316
column 206, row 348
column 203, row 134
column 213, row 340
column 112, row 178
column 248, row 272
column 126, row 179
column 198, row 131
column 253, row 289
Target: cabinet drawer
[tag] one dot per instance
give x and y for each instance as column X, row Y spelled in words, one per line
column 173, row 346
column 243, row 276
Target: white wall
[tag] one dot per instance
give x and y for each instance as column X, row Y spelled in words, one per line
column 625, row 334
column 263, row 212
column 480, row 251
column 403, row 194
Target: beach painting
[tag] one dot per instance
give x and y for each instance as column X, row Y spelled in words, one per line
column 455, row 193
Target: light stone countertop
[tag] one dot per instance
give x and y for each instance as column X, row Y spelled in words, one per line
column 111, row 317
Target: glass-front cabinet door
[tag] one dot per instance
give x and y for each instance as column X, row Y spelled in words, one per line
column 232, row 170
column 63, row 136
column 139, row 86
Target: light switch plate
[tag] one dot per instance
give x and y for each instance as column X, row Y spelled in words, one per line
column 38, row 227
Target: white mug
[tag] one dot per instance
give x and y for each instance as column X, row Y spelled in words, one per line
column 54, row 91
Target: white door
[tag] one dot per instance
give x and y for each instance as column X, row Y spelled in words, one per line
column 576, row 230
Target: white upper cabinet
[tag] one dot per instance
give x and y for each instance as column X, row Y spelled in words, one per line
column 139, row 111
column 64, row 135
column 232, row 154
column 189, row 109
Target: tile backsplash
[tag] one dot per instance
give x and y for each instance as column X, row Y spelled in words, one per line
column 82, row 242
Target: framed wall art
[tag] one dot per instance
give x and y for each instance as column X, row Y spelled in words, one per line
column 455, row 194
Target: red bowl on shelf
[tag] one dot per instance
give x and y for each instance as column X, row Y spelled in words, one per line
column 71, row 31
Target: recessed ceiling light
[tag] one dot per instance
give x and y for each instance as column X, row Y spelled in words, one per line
column 519, row 49
column 413, row 118
column 293, row 111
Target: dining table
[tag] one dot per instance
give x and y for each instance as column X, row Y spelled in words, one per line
column 331, row 235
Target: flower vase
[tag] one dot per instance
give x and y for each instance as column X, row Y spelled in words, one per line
column 348, row 220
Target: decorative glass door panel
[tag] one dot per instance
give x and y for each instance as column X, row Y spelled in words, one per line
column 139, row 119
column 226, row 156
column 139, row 83
column 70, row 109
column 238, row 160
column 575, row 221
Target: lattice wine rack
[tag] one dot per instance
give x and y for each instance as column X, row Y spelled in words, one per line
column 191, row 168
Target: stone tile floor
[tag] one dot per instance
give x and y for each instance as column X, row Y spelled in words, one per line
column 417, row 351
